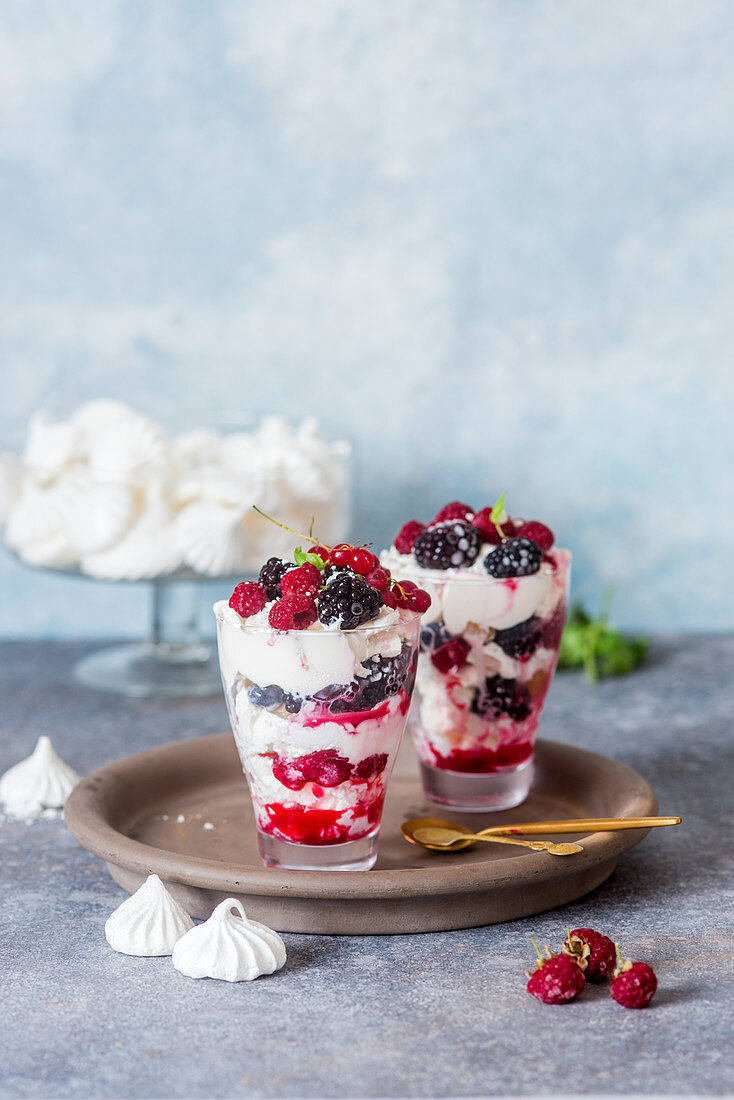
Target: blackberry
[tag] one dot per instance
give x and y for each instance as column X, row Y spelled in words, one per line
column 272, row 696
column 385, row 676
column 448, row 546
column 497, row 697
column 521, row 640
column 433, row 637
column 271, row 575
column 514, row 558
column 349, row 600
column 336, row 571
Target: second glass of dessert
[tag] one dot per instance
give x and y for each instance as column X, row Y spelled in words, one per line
column 318, row 660
column 489, row 643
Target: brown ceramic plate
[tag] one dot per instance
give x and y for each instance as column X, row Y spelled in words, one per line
column 147, row 813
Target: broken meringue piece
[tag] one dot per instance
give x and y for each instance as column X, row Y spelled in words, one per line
column 229, row 946
column 40, row 782
column 149, row 922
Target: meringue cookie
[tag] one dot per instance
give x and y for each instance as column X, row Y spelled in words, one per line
column 149, row 549
column 50, row 446
column 212, row 537
column 101, row 512
column 40, row 782
column 229, row 947
column 127, row 445
column 11, row 480
column 39, row 515
column 149, row 922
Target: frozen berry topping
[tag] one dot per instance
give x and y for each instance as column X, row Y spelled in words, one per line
column 407, row 535
column 518, row 557
column 271, row 574
column 448, row 546
column 349, row 600
column 248, row 598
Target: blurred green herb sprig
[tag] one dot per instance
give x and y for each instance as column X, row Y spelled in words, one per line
column 598, row 647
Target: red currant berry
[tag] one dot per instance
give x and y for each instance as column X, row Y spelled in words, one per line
column 379, row 578
column 419, row 601
column 363, row 561
column 389, row 599
column 322, row 552
column 342, row 554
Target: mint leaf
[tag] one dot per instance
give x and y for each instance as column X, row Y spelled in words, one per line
column 597, row 647
column 497, row 513
column 300, row 558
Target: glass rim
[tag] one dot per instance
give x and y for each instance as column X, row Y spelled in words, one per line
column 444, row 576
column 363, row 628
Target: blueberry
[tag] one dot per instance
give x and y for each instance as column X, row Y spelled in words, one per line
column 273, row 696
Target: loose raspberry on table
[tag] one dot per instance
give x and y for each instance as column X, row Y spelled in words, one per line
column 305, row 580
column 271, row 574
column 448, row 546
column 455, row 510
column 594, row 952
column 519, row 557
column 538, row 532
column 557, row 979
column 295, row 612
column 407, row 535
column 248, row 598
column 633, row 985
column 349, row 600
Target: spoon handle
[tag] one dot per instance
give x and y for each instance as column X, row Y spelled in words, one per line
column 536, row 845
column 594, row 824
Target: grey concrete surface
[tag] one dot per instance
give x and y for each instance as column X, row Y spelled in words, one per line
column 434, row 1015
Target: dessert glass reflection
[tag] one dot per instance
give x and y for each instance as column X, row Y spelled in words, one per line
column 489, row 647
column 318, row 687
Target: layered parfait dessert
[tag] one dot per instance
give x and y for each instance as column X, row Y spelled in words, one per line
column 318, row 660
column 489, row 642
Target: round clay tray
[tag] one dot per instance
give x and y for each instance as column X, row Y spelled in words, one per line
column 147, row 814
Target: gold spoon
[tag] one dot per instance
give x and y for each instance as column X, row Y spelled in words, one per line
column 438, row 837
column 593, row 824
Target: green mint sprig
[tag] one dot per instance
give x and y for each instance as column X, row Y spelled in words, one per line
column 496, row 515
column 301, row 557
column 597, row 646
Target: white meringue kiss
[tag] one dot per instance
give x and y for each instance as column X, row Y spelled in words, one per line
column 149, row 922
column 229, row 946
column 40, row 782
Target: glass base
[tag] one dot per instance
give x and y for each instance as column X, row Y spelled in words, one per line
column 477, row 792
column 352, row 855
column 143, row 670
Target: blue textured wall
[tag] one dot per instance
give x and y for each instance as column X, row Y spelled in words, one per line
column 491, row 241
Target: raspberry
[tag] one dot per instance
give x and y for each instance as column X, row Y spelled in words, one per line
column 303, row 581
column 451, row 656
column 270, row 576
column 363, row 561
column 595, row 953
column 379, row 578
column 325, row 767
column 521, row 640
column 292, row 613
column 557, row 979
column 498, row 696
column 538, row 532
column 633, row 985
column 407, row 535
column 454, row 510
column 448, row 546
column 248, row 598
column 371, row 766
column 514, row 558
column 349, row 601
column 389, row 598
column 288, row 773
column 483, row 522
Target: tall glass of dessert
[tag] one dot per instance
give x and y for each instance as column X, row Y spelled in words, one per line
column 318, row 661
column 489, row 648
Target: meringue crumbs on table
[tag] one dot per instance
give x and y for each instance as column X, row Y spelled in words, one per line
column 39, row 785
